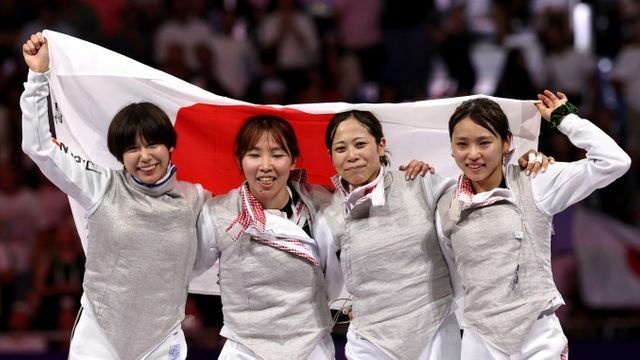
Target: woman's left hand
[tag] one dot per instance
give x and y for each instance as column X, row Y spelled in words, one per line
column 533, row 161
column 549, row 102
column 415, row 168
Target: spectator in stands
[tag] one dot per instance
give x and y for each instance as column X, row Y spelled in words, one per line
column 58, row 274
column 564, row 67
column 20, row 221
column 291, row 35
column 360, row 34
column 236, row 58
column 515, row 81
column 455, row 41
column 626, row 80
column 183, row 29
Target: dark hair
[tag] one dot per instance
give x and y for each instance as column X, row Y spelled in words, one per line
column 365, row 118
column 139, row 119
column 254, row 127
column 484, row 112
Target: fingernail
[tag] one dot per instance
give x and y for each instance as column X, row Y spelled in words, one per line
column 406, row 177
column 413, row 177
column 534, row 175
column 527, row 172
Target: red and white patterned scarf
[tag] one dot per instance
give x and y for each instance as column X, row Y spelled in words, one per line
column 373, row 191
column 252, row 220
column 463, row 196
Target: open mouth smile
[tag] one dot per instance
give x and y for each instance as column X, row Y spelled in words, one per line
column 148, row 168
column 266, row 180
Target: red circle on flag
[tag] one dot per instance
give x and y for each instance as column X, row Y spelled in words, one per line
column 205, row 147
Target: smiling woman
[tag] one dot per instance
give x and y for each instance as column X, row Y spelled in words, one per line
column 479, row 144
column 392, row 264
column 142, row 138
column 272, row 280
column 266, row 151
column 497, row 223
column 357, row 146
column 142, row 242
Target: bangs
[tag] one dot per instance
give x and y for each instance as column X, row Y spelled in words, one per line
column 485, row 124
column 278, row 130
column 145, row 120
column 140, row 123
column 253, row 136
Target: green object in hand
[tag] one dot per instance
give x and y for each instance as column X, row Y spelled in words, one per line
column 560, row 112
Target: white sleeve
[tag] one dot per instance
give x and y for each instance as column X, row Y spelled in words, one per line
column 435, row 186
column 564, row 184
column 456, row 282
column 206, row 267
column 328, row 248
column 208, row 251
column 79, row 178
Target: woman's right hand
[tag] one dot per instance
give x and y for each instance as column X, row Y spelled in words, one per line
column 36, row 53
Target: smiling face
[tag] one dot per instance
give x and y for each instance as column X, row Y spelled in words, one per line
column 478, row 153
column 355, row 153
column 147, row 161
column 266, row 167
column 142, row 138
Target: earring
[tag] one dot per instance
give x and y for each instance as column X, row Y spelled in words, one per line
column 506, row 156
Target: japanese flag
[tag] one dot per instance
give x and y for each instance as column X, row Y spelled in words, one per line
column 89, row 84
column 608, row 254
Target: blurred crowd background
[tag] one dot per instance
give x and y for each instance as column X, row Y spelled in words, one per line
column 287, row 51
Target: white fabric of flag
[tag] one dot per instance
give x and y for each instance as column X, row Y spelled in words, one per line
column 89, row 84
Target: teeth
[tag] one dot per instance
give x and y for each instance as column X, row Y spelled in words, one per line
column 474, row 166
column 266, row 179
column 148, row 168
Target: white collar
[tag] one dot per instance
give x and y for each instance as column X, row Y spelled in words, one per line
column 373, row 191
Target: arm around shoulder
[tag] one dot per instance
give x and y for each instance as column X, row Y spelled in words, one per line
column 436, row 186
column 328, row 248
column 208, row 252
column 320, row 196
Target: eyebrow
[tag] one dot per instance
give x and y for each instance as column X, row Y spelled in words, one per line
column 273, row 148
column 483, row 137
column 354, row 139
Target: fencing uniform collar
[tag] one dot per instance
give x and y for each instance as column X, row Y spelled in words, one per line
column 160, row 187
column 373, row 191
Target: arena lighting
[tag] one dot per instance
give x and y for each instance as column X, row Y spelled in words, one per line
column 582, row 31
